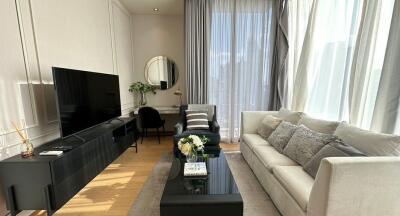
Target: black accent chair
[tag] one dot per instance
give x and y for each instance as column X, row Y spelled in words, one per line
column 212, row 146
column 150, row 118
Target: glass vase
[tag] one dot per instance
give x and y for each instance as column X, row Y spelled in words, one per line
column 143, row 100
column 191, row 158
column 26, row 149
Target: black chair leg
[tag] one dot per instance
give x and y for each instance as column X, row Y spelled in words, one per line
column 143, row 133
column 158, row 136
column 163, row 128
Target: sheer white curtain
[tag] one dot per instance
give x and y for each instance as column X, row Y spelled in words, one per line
column 299, row 11
column 386, row 116
column 339, row 71
column 321, row 81
column 368, row 60
column 241, row 46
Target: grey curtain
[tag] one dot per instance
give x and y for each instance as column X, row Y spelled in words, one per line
column 387, row 103
column 197, row 31
column 278, row 82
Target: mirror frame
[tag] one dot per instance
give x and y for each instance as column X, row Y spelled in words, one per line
column 152, row 60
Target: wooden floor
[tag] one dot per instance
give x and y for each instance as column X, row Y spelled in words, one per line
column 115, row 189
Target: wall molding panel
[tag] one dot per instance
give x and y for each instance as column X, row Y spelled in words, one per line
column 92, row 39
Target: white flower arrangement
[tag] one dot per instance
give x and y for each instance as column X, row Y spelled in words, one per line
column 192, row 144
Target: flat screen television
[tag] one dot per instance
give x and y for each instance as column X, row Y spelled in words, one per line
column 85, row 99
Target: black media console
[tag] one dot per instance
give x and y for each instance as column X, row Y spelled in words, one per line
column 48, row 182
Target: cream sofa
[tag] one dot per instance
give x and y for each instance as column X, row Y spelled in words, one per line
column 343, row 185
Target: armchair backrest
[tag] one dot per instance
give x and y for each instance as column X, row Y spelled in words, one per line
column 211, row 110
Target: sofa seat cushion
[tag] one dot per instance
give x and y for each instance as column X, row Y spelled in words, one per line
column 296, row 182
column 270, row 157
column 253, row 140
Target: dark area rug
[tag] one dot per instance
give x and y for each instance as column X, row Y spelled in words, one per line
column 256, row 201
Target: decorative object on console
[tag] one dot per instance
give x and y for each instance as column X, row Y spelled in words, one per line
column 142, row 89
column 191, row 146
column 26, row 146
column 179, row 93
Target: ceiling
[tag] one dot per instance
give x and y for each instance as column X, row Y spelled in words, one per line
column 166, row 7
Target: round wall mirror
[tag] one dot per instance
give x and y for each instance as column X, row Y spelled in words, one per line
column 161, row 72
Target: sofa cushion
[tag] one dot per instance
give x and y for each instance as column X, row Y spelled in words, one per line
column 319, row 125
column 368, row 142
column 296, row 182
column 335, row 148
column 270, row 157
column 268, row 125
column 290, row 116
column 253, row 140
column 305, row 143
column 281, row 135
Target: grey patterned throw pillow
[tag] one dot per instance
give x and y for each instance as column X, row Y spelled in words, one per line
column 335, row 148
column 305, row 143
column 281, row 135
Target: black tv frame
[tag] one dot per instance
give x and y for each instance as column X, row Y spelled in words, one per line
column 58, row 106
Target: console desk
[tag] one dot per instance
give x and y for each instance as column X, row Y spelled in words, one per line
column 163, row 109
column 48, row 182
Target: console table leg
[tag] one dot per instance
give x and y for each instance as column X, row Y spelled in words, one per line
column 11, row 201
column 47, row 195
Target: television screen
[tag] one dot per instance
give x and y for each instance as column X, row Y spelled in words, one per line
column 85, row 99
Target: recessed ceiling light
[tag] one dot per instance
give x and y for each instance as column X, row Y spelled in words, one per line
column 155, row 9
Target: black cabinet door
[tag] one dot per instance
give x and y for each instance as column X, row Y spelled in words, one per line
column 28, row 181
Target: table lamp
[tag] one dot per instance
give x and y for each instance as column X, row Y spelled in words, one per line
column 179, row 93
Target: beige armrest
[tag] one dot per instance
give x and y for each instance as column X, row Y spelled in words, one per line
column 251, row 120
column 356, row 186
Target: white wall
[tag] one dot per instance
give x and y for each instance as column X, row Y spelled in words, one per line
column 92, row 35
column 155, row 35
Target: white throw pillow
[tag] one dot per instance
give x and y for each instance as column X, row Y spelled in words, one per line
column 289, row 116
column 319, row 125
column 368, row 142
column 268, row 125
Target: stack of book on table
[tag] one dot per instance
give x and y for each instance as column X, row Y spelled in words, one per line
column 195, row 169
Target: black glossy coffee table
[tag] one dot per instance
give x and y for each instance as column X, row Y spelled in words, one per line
column 217, row 194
